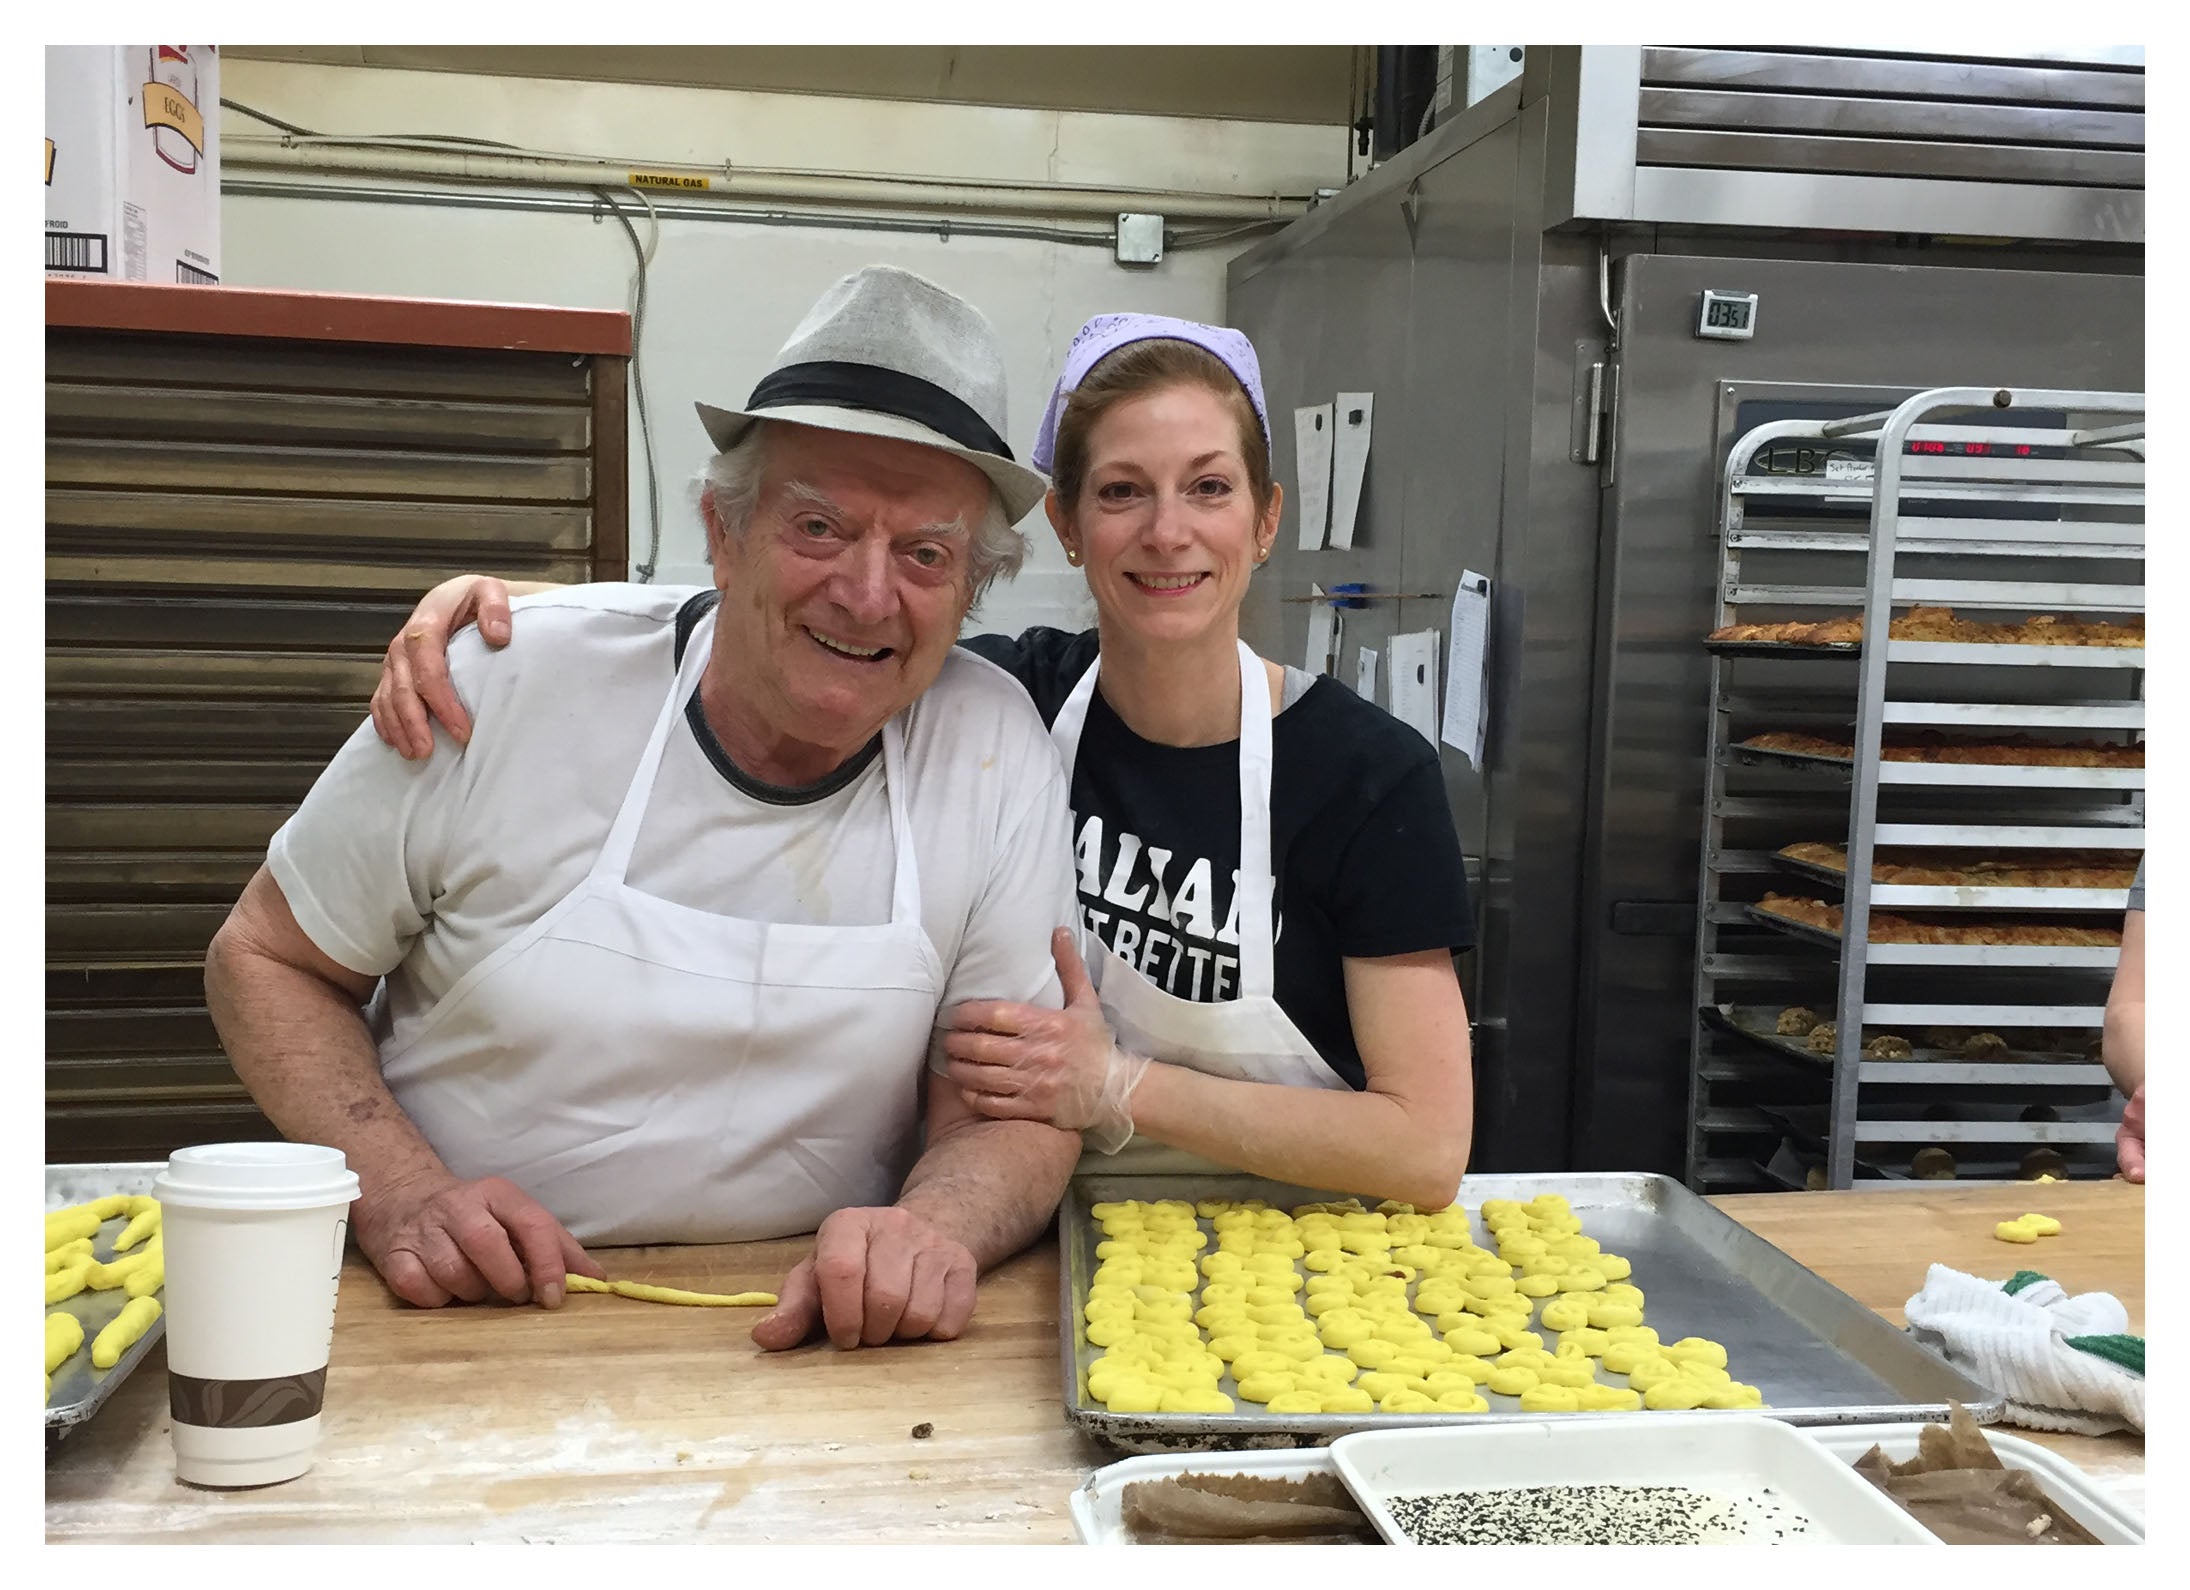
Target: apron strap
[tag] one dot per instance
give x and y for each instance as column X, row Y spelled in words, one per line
column 896, row 782
column 623, row 835
column 1257, row 884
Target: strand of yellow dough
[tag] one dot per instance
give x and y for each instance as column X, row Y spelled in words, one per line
column 145, row 1222
column 670, row 1294
column 123, row 1331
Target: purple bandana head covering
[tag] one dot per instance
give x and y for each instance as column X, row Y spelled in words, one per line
column 1105, row 334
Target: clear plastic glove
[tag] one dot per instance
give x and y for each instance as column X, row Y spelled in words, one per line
column 1028, row 1063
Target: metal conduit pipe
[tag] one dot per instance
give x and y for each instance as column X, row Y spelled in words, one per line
column 729, row 183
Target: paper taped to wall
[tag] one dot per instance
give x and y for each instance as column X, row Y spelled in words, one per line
column 1349, row 462
column 1322, row 634
column 1365, row 674
column 1414, row 682
column 1466, row 711
column 1312, row 457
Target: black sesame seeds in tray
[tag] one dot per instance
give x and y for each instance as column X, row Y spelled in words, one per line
column 1597, row 1515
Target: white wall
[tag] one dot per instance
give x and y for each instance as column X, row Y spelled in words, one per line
column 722, row 295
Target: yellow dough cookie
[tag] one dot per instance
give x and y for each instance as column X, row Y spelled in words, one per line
column 67, row 1254
column 2009, row 1231
column 1512, row 1382
column 1309, row 1401
column 1549, row 1399
column 1735, row 1395
column 1610, row 1399
column 1461, row 1402
column 1565, row 1315
column 144, row 1220
column 1408, row 1402
column 1261, row 1388
column 122, row 1332
column 1674, row 1394
column 1606, row 1315
column 64, row 1334
column 1533, row 1285
column 1347, row 1399
column 1697, row 1350
column 65, row 1283
column 2044, row 1225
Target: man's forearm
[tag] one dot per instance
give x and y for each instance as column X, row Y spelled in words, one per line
column 301, row 1046
column 992, row 1185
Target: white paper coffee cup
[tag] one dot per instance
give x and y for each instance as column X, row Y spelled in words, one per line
column 253, row 1235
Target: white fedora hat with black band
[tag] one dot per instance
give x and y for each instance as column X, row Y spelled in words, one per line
column 887, row 353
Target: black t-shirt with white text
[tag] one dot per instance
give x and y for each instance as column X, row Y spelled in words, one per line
column 1366, row 858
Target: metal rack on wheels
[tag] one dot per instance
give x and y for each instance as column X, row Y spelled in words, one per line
column 1980, row 501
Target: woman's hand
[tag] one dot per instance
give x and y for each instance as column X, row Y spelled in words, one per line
column 1028, row 1063
column 414, row 676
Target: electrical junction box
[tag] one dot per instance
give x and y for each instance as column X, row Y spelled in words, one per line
column 133, row 182
column 1140, row 239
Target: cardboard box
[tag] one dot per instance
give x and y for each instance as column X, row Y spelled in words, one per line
column 133, row 184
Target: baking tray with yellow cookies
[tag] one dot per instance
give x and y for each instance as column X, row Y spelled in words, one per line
column 80, row 1389
column 1724, row 1308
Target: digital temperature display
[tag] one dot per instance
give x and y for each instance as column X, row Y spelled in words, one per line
column 1728, row 316
column 1973, row 450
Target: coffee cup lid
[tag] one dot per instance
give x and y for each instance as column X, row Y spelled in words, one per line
column 256, row 1176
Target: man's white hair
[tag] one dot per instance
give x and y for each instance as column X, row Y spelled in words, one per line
column 730, row 484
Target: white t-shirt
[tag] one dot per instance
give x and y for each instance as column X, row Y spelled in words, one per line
column 417, row 871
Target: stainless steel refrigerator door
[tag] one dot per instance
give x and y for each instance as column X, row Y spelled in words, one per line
column 1818, row 321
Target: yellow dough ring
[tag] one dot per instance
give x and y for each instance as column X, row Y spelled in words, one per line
column 670, row 1294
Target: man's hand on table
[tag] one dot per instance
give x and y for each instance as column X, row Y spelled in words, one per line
column 435, row 1237
column 2129, row 1138
column 874, row 1275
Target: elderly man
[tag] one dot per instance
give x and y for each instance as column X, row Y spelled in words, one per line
column 658, row 954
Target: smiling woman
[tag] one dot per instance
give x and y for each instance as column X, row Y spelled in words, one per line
column 1270, row 885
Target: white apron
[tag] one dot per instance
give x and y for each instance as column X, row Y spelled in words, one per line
column 1249, row 1039
column 652, row 1072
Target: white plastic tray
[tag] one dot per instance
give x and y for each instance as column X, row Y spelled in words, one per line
column 1732, row 1456
column 2112, row 1520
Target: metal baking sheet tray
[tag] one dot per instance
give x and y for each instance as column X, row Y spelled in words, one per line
column 1843, row 765
column 1891, row 954
column 1781, row 648
column 78, row 1389
column 1757, row 1023
column 1818, row 1355
column 1971, row 897
column 1977, row 775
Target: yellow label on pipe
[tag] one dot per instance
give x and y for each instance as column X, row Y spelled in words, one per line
column 165, row 107
column 663, row 179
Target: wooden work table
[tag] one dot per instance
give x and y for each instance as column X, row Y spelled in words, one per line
column 610, row 1420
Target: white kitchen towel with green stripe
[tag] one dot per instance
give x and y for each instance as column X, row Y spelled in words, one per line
column 2062, row 1363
